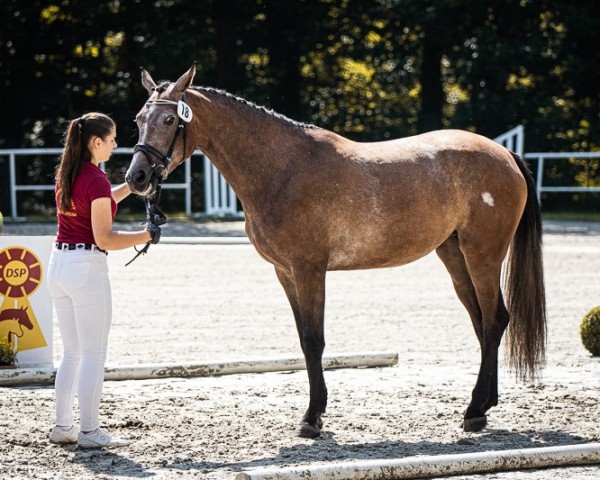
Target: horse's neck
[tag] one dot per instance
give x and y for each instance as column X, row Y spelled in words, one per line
column 245, row 143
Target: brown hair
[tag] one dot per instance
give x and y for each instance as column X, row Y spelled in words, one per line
column 76, row 152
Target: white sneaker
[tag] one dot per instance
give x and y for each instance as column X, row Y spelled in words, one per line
column 100, row 439
column 61, row 435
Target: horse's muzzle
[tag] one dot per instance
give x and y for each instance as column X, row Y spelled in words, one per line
column 141, row 181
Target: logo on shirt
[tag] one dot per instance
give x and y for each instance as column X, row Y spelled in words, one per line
column 69, row 213
column 20, row 276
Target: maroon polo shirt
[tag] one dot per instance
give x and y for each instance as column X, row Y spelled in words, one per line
column 75, row 224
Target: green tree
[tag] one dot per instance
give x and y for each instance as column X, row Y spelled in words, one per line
column 367, row 70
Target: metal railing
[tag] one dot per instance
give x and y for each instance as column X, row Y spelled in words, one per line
column 220, row 199
column 541, row 158
column 514, row 139
column 12, row 154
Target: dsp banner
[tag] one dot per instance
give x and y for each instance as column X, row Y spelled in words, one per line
column 25, row 304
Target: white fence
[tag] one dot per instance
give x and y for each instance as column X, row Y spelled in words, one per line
column 541, row 164
column 514, row 139
column 220, row 199
column 219, row 196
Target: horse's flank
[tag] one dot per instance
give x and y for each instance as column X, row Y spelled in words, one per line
column 365, row 200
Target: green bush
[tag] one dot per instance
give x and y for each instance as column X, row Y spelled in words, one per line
column 590, row 331
column 8, row 353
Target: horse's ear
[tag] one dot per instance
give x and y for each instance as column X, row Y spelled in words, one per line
column 185, row 80
column 147, row 82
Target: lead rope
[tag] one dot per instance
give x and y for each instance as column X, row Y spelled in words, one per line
column 153, row 215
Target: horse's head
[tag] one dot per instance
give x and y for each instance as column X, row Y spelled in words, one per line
column 14, row 319
column 162, row 144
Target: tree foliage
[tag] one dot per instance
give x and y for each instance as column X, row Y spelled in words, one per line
column 367, row 70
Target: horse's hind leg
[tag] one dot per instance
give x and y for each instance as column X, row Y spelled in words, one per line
column 305, row 289
column 476, row 280
column 454, row 261
column 484, row 263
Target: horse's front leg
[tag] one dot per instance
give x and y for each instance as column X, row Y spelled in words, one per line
column 305, row 289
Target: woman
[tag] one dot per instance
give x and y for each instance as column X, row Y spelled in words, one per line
column 78, row 275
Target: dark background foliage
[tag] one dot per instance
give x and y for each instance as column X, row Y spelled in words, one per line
column 366, row 70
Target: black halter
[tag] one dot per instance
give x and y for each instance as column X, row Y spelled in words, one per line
column 162, row 170
column 153, row 213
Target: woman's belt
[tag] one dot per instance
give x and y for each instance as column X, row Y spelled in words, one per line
column 79, row 246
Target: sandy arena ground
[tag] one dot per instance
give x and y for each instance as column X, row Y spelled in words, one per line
column 196, row 303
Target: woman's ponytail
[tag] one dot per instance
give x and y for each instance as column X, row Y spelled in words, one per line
column 76, row 152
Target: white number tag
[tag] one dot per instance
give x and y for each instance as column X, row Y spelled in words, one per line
column 184, row 111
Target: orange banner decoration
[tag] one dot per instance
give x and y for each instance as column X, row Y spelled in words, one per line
column 20, row 276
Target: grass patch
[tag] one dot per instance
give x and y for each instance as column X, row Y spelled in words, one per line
column 572, row 216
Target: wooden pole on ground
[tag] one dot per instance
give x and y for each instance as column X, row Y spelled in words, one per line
column 30, row 376
column 435, row 466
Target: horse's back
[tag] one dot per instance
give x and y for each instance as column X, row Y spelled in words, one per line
column 405, row 197
column 369, row 205
column 443, row 147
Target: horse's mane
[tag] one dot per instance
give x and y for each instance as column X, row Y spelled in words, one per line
column 254, row 106
column 163, row 86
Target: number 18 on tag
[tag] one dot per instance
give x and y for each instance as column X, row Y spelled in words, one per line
column 184, row 111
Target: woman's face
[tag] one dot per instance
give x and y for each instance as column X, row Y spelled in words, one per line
column 101, row 148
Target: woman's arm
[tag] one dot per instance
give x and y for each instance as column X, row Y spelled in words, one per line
column 120, row 192
column 102, row 225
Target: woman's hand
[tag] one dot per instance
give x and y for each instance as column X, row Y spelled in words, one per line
column 120, row 192
column 154, row 231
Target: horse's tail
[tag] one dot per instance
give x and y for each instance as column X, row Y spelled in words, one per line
column 524, row 288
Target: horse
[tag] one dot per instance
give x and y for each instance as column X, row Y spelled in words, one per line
column 315, row 201
column 12, row 321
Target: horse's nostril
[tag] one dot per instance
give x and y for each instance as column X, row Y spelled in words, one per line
column 139, row 177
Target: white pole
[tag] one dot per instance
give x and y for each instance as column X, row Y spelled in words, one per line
column 13, row 185
column 29, row 376
column 436, row 466
column 188, row 186
column 540, row 178
column 207, row 186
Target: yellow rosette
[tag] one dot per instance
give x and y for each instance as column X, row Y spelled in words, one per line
column 20, row 276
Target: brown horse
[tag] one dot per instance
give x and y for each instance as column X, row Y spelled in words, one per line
column 315, row 201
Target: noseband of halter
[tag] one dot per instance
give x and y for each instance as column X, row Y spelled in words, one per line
column 161, row 170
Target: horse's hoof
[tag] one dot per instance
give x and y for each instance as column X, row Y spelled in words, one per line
column 474, row 424
column 306, row 430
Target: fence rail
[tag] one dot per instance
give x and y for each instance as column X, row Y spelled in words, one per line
column 13, row 154
column 514, row 139
column 541, row 157
column 220, row 198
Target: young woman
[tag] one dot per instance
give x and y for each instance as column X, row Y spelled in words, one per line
column 78, row 275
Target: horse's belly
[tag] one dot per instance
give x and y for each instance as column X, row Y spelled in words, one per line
column 380, row 254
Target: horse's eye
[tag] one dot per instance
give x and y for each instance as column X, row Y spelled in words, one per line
column 169, row 120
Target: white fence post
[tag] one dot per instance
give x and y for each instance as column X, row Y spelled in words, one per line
column 514, row 139
column 13, row 181
column 219, row 197
column 540, row 178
